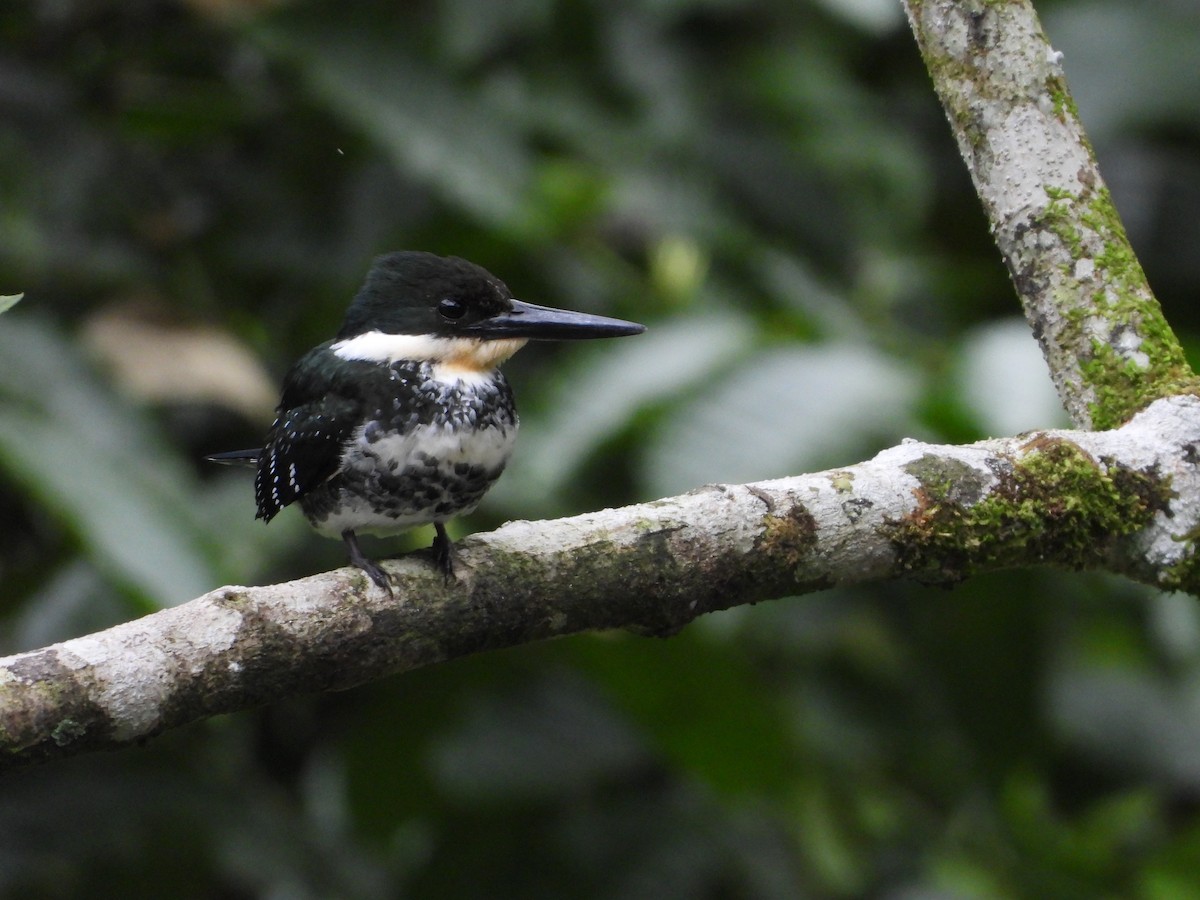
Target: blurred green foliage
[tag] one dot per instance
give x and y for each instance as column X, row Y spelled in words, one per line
column 771, row 186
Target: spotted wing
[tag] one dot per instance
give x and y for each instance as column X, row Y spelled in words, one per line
column 304, row 446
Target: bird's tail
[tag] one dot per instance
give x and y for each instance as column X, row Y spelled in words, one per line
column 236, row 457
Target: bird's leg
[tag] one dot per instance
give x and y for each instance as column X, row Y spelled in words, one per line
column 443, row 550
column 358, row 558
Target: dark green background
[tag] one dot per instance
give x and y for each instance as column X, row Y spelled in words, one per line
column 772, row 188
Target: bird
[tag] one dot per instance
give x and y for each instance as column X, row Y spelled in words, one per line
column 404, row 418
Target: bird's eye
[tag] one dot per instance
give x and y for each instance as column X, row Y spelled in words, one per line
column 451, row 308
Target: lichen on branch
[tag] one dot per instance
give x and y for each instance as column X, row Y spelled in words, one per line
column 1055, row 503
column 1002, row 84
column 1122, row 500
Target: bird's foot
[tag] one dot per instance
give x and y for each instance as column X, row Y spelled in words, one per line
column 443, row 551
column 369, row 566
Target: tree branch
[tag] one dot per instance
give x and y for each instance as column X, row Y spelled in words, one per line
column 1109, row 348
column 1122, row 500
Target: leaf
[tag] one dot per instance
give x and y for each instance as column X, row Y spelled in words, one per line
column 131, row 532
column 1148, row 88
column 783, row 412
column 874, row 16
column 702, row 705
column 556, row 735
column 600, row 397
column 429, row 127
column 96, row 464
column 1002, row 377
column 8, row 301
column 1107, row 712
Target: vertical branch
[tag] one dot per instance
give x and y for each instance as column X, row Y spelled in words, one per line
column 1109, row 349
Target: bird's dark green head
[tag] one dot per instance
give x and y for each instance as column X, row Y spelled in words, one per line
column 414, row 293
column 419, row 293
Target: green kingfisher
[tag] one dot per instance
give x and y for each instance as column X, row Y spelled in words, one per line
column 404, row 418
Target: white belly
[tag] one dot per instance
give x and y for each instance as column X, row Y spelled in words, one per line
column 388, row 484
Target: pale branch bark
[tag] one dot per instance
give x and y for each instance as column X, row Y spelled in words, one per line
column 1108, row 346
column 1126, row 500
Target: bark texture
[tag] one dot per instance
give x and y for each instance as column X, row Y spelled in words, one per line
column 1101, row 329
column 1125, row 500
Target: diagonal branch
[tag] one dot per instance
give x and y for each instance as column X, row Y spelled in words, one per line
column 1121, row 500
column 1109, row 348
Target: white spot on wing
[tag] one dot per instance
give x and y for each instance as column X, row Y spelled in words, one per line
column 275, row 479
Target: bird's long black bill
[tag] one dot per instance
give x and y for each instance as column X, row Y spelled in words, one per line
column 235, row 457
column 544, row 323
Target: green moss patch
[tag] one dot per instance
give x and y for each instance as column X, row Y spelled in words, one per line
column 1122, row 386
column 1056, row 505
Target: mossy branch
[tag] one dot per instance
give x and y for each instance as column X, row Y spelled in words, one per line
column 1121, row 500
column 1102, row 331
